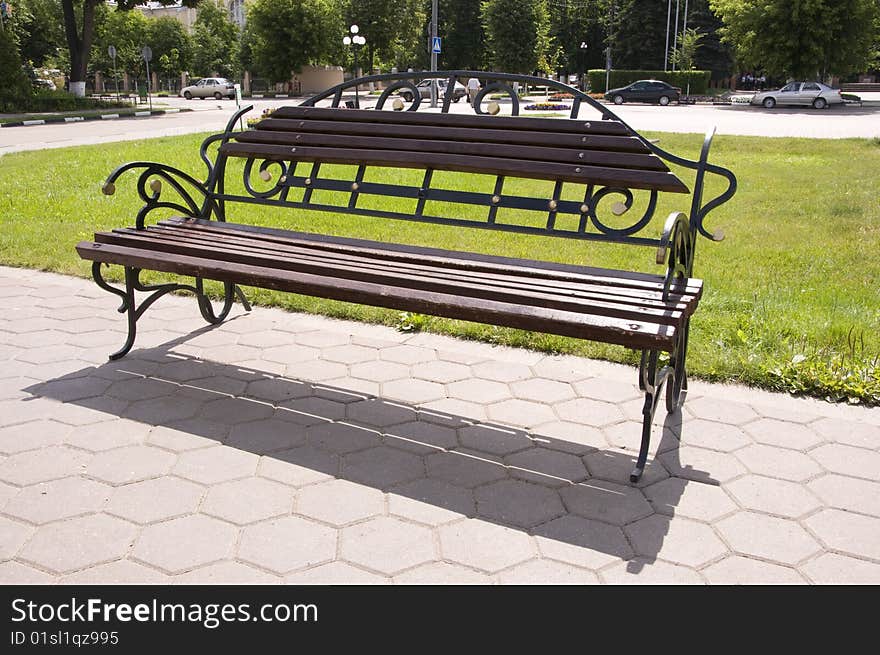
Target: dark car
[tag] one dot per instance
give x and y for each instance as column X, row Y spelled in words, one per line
column 653, row 91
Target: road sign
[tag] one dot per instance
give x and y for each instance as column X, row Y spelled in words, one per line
column 147, row 53
column 111, row 51
column 435, row 44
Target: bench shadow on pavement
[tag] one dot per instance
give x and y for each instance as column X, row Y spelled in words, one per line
column 556, row 489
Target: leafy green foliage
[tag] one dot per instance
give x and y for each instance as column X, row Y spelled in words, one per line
column 286, row 35
column 640, row 33
column 684, row 57
column 518, row 36
column 171, row 45
column 15, row 88
column 127, row 31
column 463, row 36
column 40, row 34
column 215, row 41
column 698, row 80
column 801, row 39
column 394, row 30
column 572, row 24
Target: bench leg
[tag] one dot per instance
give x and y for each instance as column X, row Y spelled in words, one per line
column 134, row 311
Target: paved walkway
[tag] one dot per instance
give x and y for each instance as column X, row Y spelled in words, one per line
column 290, row 448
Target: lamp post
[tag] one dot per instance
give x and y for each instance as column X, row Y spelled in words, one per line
column 583, row 66
column 354, row 41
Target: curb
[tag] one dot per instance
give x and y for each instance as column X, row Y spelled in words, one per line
column 99, row 117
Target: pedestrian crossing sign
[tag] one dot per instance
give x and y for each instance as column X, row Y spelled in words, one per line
column 435, row 45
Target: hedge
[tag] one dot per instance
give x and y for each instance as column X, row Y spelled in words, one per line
column 43, row 100
column 699, row 80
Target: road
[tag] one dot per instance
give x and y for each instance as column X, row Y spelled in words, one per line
column 211, row 116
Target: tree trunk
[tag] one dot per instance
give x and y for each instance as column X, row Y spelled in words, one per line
column 79, row 42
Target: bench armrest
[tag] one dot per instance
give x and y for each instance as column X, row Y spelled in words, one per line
column 676, row 250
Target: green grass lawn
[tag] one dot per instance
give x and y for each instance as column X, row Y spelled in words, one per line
column 792, row 294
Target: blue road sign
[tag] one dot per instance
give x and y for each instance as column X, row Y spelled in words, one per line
column 435, row 44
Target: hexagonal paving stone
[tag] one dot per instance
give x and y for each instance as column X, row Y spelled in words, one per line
column 484, row 546
column 349, row 354
column 322, row 338
column 430, row 501
column 575, row 438
column 679, row 540
column 188, row 434
column 543, row 572
column 616, row 465
column 413, row 391
column 606, row 501
column 76, row 543
column 236, row 410
column 421, row 437
column 72, row 389
column 141, row 388
column 109, row 434
column 501, row 371
column 778, row 462
column 832, row 568
column 767, row 537
column 847, row 493
column 266, row 436
column 340, row 502
column 43, row 465
column 16, row 573
column 773, row 496
column 853, row 433
column 184, row 543
column 216, row 464
column 287, row 544
column 784, row 434
column 387, row 545
column 300, row 466
column 347, row 389
column 404, row 354
column 605, row 390
column 723, row 411
column 583, row 542
column 743, row 570
column 715, row 436
column 844, row 531
column 464, row 469
column 290, row 353
column 440, row 371
column 382, row 467
column 164, row 410
column 276, row 389
column 342, row 438
column 379, row 413
column 155, row 500
column 226, row 573
column 32, row 435
column 546, row 467
column 380, row 371
column 452, row 411
column 230, row 354
column 494, row 440
column 681, row 497
column 317, row 370
column 22, row 411
column 121, row 571
column 130, row 464
column 542, row 390
column 588, row 412
column 335, row 573
column 13, row 536
column 58, row 499
column 212, row 387
column 522, row 413
column 641, row 572
column 310, row 410
column 520, row 503
column 848, row 460
column 478, row 390
column 702, row 465
column 265, row 339
column 248, row 500
column 442, row 573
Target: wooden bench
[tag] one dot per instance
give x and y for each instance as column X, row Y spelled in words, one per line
column 614, row 170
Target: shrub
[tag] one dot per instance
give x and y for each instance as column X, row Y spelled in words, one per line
column 48, row 101
column 699, row 80
column 15, row 88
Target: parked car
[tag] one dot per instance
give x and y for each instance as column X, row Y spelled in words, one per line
column 207, row 87
column 802, row 94
column 645, row 91
column 424, row 88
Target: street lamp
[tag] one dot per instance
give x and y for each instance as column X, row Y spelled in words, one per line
column 354, row 41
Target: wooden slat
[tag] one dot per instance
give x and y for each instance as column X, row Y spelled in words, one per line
column 482, row 122
column 612, row 330
column 163, row 244
column 580, row 174
column 572, row 155
column 459, row 259
column 558, row 139
column 507, row 278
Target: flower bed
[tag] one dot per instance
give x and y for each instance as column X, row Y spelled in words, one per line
column 547, row 106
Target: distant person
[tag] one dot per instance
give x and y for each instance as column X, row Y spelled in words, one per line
column 473, row 88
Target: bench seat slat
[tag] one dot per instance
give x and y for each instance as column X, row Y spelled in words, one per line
column 162, row 245
column 577, row 173
column 508, row 279
column 553, row 321
column 573, row 155
column 467, row 261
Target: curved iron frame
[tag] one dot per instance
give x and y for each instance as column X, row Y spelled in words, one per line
column 676, row 244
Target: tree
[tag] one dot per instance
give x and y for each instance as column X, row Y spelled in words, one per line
column 79, row 31
column 684, row 57
column 639, row 33
column 518, row 35
column 40, row 35
column 127, row 32
column 171, row 45
column 286, row 35
column 802, row 39
column 462, row 33
column 392, row 28
column 576, row 29
column 15, row 88
column 215, row 40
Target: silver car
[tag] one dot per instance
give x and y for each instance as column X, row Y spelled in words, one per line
column 209, row 87
column 799, row 94
column 424, row 87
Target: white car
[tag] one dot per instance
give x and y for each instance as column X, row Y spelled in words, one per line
column 799, row 94
column 209, row 87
